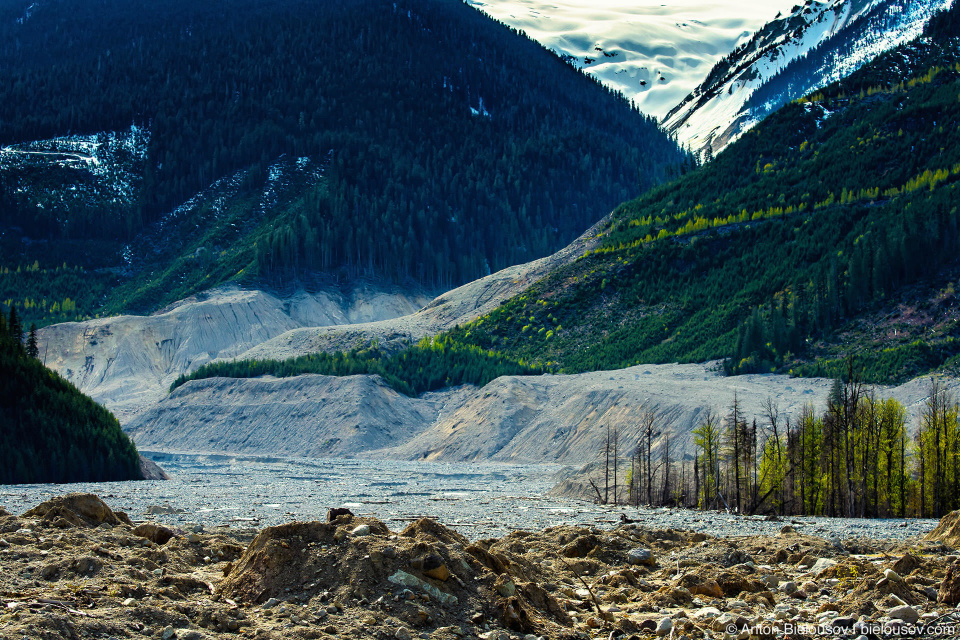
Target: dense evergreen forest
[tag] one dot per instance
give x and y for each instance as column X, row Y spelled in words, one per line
column 452, row 145
column 49, row 431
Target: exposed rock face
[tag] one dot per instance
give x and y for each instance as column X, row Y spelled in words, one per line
column 550, row 418
column 151, row 470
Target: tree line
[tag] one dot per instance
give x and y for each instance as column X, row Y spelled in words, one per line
column 49, row 431
column 854, row 458
column 428, row 365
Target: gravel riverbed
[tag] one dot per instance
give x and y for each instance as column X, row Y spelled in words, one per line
column 479, row 500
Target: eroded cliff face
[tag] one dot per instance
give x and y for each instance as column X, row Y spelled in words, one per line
column 127, row 363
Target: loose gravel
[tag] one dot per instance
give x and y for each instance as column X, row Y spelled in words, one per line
column 477, row 500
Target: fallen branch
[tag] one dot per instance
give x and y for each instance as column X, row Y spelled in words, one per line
column 596, row 603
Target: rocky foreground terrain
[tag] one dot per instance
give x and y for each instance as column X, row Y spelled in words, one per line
column 73, row 568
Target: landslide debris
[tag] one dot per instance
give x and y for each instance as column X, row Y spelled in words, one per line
column 73, row 568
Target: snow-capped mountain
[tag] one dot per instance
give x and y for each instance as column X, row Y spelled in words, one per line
column 815, row 44
column 653, row 51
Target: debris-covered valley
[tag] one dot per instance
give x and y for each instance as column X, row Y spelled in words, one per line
column 71, row 567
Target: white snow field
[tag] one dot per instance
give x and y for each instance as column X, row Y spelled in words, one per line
column 653, row 51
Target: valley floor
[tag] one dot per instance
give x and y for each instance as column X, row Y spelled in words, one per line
column 73, row 568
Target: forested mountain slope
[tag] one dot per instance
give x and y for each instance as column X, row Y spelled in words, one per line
column 49, row 431
column 839, row 206
column 423, row 141
column 838, row 211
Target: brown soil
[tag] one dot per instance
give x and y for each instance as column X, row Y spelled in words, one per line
column 72, row 568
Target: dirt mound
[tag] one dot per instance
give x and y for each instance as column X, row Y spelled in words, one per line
column 425, row 527
column 77, row 510
column 354, row 579
column 359, row 560
column 947, row 531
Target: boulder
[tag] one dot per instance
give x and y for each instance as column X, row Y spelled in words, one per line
column 907, row 564
column 78, row 509
column 821, row 565
column 664, row 627
column 641, row 556
column 154, row 533
column 904, row 612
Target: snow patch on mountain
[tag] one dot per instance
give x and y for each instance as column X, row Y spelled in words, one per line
column 652, row 51
column 817, row 43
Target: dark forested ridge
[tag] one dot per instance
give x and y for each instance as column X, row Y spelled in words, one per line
column 49, row 431
column 452, row 145
column 828, row 232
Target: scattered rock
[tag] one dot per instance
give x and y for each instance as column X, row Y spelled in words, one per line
column 640, row 556
column 154, row 533
column 317, row 579
column 904, row 612
column 664, row 627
